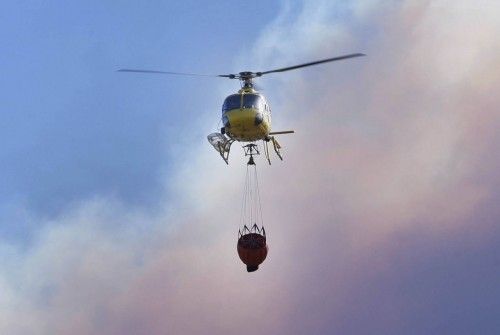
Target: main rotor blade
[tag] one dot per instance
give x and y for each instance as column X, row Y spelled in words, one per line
column 312, row 63
column 174, row 73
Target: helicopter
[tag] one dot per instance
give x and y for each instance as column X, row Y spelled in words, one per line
column 246, row 115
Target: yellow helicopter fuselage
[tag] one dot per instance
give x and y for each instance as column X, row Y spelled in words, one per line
column 246, row 116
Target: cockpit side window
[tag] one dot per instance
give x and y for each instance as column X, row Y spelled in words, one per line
column 231, row 102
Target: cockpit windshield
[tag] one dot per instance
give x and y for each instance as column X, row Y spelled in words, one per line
column 249, row 101
column 253, row 101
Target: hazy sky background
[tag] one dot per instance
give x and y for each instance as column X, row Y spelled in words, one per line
column 117, row 217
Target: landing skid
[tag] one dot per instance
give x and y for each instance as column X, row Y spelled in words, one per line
column 276, row 147
column 223, row 146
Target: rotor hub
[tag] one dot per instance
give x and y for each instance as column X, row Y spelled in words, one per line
column 246, row 78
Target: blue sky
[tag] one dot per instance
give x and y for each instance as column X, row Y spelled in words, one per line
column 72, row 127
column 118, row 217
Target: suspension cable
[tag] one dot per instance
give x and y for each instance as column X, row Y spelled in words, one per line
column 258, row 196
column 251, row 206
